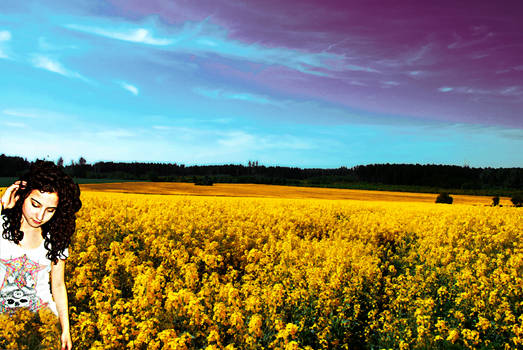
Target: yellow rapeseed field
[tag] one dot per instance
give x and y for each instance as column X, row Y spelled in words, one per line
column 204, row 272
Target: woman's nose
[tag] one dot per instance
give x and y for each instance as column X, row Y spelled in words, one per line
column 41, row 214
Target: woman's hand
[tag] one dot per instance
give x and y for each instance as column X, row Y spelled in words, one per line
column 10, row 197
column 67, row 344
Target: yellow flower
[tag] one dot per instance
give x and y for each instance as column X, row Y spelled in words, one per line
column 453, row 335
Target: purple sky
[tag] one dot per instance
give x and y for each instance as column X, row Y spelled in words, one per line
column 458, row 61
column 293, row 83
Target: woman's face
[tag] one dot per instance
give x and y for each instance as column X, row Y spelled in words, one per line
column 39, row 207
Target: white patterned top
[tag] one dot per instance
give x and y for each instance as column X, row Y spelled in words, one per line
column 24, row 277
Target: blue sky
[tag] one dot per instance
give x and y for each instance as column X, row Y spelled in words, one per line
column 169, row 81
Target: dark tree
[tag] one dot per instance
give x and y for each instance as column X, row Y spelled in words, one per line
column 517, row 200
column 444, row 198
column 495, row 201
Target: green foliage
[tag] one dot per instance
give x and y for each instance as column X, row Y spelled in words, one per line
column 517, row 199
column 203, row 181
column 444, row 198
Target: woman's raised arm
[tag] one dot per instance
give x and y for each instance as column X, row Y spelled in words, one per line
column 10, row 197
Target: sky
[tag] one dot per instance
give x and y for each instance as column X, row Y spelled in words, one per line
column 312, row 84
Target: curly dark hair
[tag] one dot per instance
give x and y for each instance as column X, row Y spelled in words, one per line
column 57, row 232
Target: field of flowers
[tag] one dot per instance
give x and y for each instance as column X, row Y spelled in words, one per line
column 187, row 272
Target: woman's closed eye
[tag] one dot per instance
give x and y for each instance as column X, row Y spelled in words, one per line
column 37, row 205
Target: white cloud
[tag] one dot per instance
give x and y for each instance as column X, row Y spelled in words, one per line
column 138, row 35
column 131, row 88
column 390, row 83
column 285, row 142
column 29, row 112
column 116, row 133
column 20, row 113
column 507, row 91
column 237, row 139
column 418, row 55
column 161, row 127
column 356, row 68
column 204, row 37
column 460, row 42
column 49, row 64
column 15, row 125
column 44, row 44
column 512, row 91
column 357, row 83
column 243, row 140
column 220, row 94
column 5, row 35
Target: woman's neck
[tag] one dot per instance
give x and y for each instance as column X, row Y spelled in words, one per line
column 32, row 237
column 32, row 231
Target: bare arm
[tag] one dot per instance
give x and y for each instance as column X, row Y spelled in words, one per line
column 60, row 297
column 9, row 197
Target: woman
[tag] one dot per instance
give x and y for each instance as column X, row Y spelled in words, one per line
column 37, row 221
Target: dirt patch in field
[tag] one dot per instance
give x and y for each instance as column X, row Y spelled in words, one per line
column 273, row 191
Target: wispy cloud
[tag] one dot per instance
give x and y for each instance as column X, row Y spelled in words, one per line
column 49, row 115
column 5, row 36
column 50, row 65
column 129, row 87
column 47, row 45
column 512, row 91
column 116, row 133
column 418, row 56
column 53, row 65
column 220, row 94
column 390, row 83
column 20, row 113
column 238, row 139
column 161, row 127
column 506, row 91
column 135, row 35
column 460, row 42
column 202, row 38
column 15, row 125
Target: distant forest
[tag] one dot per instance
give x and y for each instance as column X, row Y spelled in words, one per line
column 415, row 177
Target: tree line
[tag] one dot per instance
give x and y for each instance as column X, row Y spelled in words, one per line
column 418, row 175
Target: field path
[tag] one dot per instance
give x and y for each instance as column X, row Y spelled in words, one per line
column 274, row 191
